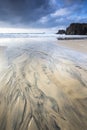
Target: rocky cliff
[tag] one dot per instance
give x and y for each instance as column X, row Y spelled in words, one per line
column 77, row 29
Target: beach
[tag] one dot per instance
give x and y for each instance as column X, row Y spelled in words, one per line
column 43, row 86
column 43, row 65
column 78, row 45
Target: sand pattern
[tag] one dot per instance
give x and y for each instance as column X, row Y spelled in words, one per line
column 44, row 88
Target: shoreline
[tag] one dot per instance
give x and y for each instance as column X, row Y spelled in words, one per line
column 72, row 38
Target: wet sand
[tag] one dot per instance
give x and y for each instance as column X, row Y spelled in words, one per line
column 78, row 45
column 44, row 87
column 3, row 59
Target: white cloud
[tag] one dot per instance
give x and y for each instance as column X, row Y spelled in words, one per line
column 53, row 2
column 21, row 30
column 60, row 19
column 44, row 20
column 60, row 12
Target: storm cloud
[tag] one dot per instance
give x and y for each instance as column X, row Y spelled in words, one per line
column 25, row 11
column 40, row 13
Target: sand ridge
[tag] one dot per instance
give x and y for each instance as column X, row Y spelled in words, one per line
column 43, row 91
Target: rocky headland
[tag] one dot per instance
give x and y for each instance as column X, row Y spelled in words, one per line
column 75, row 29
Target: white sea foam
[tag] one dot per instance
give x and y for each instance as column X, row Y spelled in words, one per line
column 36, row 35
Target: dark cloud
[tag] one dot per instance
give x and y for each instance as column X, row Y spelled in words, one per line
column 25, row 11
column 73, row 1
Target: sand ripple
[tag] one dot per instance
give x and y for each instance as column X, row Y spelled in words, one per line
column 44, row 90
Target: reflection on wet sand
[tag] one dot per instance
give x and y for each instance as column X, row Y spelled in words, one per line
column 3, row 59
column 44, row 88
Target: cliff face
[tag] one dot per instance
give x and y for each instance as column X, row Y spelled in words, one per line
column 77, row 29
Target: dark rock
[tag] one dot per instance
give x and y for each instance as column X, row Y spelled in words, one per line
column 61, row 32
column 77, row 29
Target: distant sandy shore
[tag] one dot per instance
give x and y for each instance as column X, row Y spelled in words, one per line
column 78, row 45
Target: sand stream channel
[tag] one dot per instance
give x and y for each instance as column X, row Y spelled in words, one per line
column 43, row 86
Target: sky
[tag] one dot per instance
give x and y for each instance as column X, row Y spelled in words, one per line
column 41, row 15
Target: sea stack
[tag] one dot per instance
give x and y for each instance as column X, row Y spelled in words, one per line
column 61, row 31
